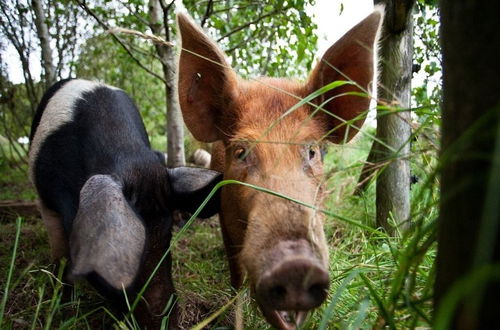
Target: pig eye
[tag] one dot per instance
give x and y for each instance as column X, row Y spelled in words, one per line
column 312, row 153
column 240, row 153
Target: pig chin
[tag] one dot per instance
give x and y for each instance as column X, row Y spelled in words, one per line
column 288, row 282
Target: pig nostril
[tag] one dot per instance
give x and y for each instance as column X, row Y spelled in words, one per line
column 318, row 292
column 299, row 283
column 278, row 292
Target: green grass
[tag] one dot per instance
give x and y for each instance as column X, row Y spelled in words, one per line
column 377, row 281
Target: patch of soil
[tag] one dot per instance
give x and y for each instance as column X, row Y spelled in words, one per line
column 10, row 210
column 194, row 309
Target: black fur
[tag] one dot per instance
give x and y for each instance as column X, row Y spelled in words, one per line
column 106, row 136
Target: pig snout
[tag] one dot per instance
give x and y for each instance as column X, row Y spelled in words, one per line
column 296, row 284
column 293, row 283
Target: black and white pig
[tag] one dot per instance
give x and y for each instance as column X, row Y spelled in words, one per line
column 106, row 198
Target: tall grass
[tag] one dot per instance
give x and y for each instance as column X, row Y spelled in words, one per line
column 376, row 280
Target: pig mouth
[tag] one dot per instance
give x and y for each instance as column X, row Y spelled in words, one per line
column 285, row 320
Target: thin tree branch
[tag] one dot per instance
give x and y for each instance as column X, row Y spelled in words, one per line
column 89, row 11
column 15, row 34
column 243, row 42
column 134, row 12
column 223, row 10
column 209, row 10
column 255, row 21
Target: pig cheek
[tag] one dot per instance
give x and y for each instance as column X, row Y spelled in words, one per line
column 318, row 240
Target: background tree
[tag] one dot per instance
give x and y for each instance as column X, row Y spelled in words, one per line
column 34, row 30
column 275, row 39
column 42, row 32
column 390, row 150
column 467, row 285
column 103, row 59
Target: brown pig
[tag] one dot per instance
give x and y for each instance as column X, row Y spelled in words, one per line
column 278, row 244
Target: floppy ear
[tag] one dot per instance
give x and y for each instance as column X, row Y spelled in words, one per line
column 206, row 83
column 350, row 58
column 191, row 185
column 108, row 237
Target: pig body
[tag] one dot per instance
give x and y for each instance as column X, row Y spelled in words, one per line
column 106, row 198
column 279, row 245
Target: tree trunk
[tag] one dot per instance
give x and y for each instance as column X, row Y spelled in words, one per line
column 42, row 32
column 393, row 129
column 175, row 123
column 469, row 221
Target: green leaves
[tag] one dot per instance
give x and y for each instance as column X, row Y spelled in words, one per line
column 275, row 39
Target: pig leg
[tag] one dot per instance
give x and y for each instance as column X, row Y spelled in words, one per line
column 58, row 245
column 57, row 237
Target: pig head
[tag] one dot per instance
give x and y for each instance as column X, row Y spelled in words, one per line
column 267, row 136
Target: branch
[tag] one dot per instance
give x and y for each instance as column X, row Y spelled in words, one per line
column 241, row 27
column 89, row 11
column 166, row 8
column 16, row 37
column 134, row 12
column 243, row 42
column 223, row 10
column 147, row 36
column 208, row 12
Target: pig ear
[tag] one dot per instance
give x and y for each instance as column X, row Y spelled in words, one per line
column 191, row 185
column 353, row 58
column 206, row 82
column 108, row 237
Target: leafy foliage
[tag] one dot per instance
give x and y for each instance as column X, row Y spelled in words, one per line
column 427, row 56
column 276, row 39
column 103, row 59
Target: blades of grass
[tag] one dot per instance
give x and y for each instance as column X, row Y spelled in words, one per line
column 71, row 322
column 164, row 323
column 364, row 305
column 130, row 318
column 306, row 100
column 11, row 270
column 212, row 317
column 378, row 300
column 54, row 304
column 56, row 296
column 107, row 311
column 328, row 213
column 37, row 311
column 466, row 285
column 411, row 256
column 328, row 313
column 169, row 308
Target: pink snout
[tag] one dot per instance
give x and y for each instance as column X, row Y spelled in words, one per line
column 294, row 278
column 297, row 284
